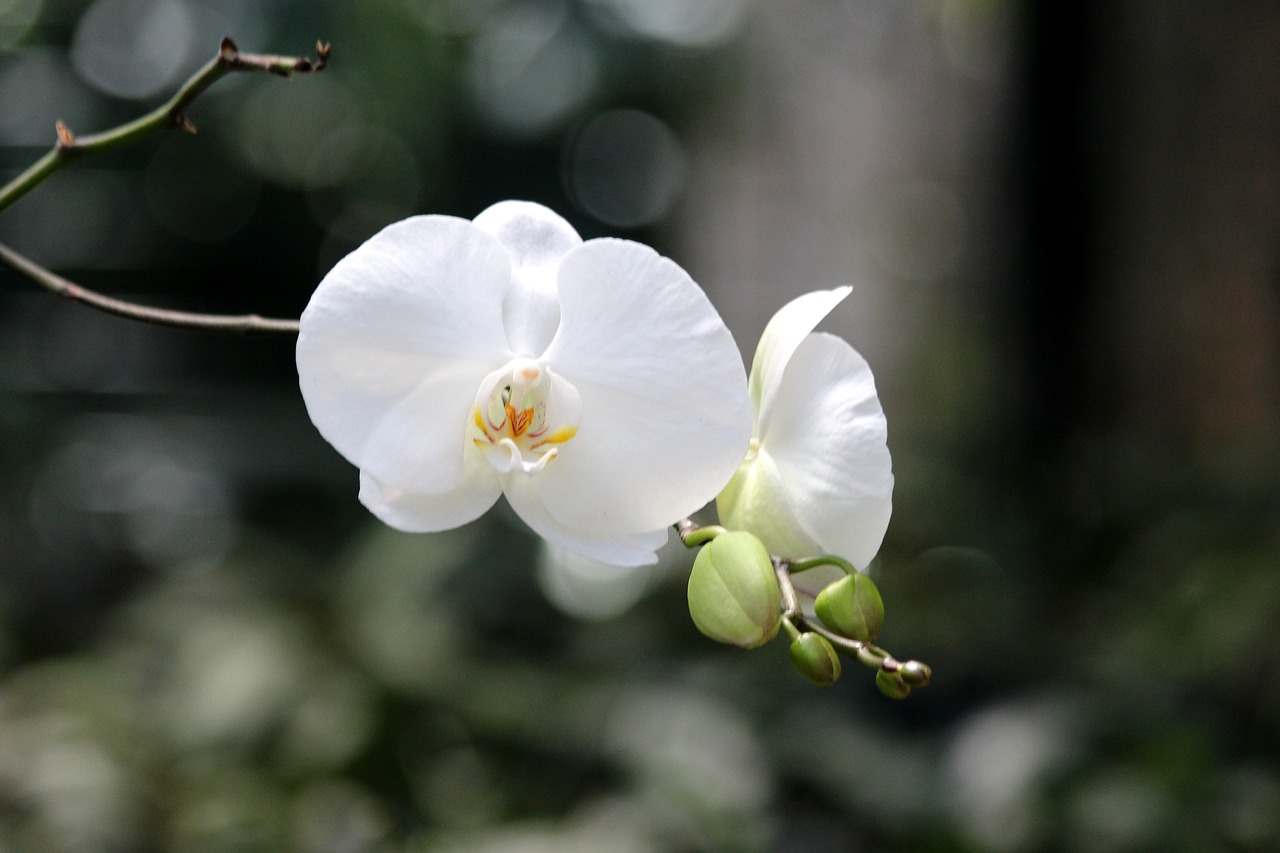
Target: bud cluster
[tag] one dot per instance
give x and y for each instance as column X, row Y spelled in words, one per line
column 741, row 595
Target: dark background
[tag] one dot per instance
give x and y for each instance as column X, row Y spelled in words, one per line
column 1061, row 222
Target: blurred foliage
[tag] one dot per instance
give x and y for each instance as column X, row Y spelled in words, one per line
column 207, row 645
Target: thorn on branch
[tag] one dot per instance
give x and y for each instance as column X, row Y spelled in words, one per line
column 178, row 119
column 66, row 139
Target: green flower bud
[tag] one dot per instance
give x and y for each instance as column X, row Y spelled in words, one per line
column 915, row 674
column 851, row 607
column 733, row 592
column 815, row 658
column 892, row 685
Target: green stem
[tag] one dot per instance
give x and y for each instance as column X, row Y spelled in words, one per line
column 867, row 654
column 692, row 534
column 172, row 114
column 913, row 672
column 797, row 566
column 37, row 172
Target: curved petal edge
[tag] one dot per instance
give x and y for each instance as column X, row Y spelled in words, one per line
column 788, row 327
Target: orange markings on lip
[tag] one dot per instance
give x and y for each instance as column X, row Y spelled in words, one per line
column 519, row 421
column 516, row 424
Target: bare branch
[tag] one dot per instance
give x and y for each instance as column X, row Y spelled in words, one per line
column 248, row 324
column 172, row 114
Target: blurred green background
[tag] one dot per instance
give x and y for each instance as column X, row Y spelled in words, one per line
column 1062, row 223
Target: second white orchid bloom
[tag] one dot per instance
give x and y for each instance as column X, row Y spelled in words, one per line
column 591, row 382
column 818, row 477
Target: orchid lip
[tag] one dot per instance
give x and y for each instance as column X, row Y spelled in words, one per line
column 522, row 415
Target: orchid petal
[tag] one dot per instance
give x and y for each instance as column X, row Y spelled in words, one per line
column 470, row 499
column 665, row 413
column 637, row 549
column 395, row 341
column 756, row 500
column 793, row 322
column 536, row 238
column 828, row 440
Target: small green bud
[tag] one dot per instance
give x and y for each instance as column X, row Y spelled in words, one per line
column 892, row 685
column 733, row 592
column 915, row 674
column 851, row 607
column 813, row 655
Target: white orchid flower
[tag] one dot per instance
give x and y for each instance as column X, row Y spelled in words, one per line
column 592, row 383
column 818, row 477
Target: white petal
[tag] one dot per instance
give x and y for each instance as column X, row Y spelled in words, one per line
column 505, row 457
column 756, row 500
column 828, row 440
column 478, row 491
column 536, row 238
column 395, row 341
column 665, row 413
column 636, row 549
column 784, row 333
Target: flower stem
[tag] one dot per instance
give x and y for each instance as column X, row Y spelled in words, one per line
column 797, row 566
column 693, row 534
column 790, row 601
column 915, row 673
